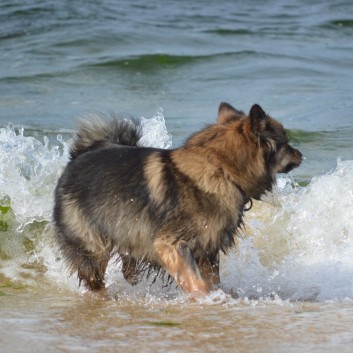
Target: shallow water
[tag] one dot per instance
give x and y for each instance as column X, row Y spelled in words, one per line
column 54, row 321
column 288, row 286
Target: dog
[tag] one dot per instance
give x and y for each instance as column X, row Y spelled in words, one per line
column 171, row 210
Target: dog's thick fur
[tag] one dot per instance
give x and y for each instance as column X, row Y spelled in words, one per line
column 173, row 210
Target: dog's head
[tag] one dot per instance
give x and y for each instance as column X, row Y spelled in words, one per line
column 263, row 140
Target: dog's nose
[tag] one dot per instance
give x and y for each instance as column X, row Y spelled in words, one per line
column 298, row 156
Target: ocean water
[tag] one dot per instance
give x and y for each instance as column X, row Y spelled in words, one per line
column 288, row 286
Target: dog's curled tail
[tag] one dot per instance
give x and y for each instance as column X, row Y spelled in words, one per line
column 97, row 132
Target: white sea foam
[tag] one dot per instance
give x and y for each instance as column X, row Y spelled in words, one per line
column 298, row 242
column 29, row 171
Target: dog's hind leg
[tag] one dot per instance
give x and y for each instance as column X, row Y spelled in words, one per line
column 87, row 250
column 179, row 261
column 130, row 269
column 90, row 265
column 91, row 269
column 209, row 267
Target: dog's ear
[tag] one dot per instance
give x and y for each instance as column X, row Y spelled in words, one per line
column 257, row 119
column 226, row 113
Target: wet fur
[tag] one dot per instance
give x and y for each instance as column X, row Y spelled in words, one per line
column 173, row 210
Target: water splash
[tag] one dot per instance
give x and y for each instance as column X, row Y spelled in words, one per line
column 297, row 245
column 154, row 132
column 29, row 171
column 300, row 242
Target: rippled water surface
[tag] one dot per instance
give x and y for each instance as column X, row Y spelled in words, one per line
column 288, row 286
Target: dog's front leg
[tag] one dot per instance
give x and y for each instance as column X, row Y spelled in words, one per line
column 179, row 261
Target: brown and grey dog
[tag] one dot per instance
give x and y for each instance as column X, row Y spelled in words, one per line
column 173, row 210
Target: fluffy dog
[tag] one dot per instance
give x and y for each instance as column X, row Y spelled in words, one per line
column 173, row 210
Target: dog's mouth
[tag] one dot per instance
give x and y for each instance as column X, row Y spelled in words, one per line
column 289, row 167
